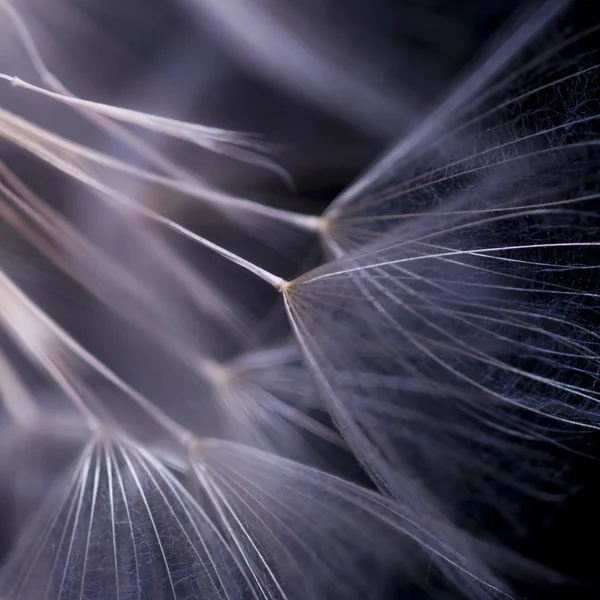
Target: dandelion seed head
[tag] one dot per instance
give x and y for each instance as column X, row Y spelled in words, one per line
column 434, row 330
column 219, row 375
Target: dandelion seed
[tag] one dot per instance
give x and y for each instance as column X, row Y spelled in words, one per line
column 487, row 155
column 449, row 334
column 121, row 526
column 266, row 395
